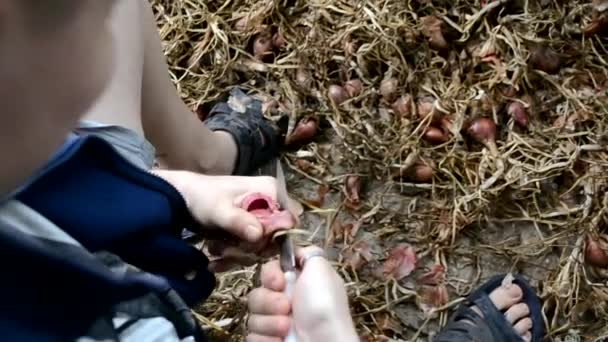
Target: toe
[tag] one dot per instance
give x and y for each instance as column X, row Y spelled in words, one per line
column 527, row 336
column 523, row 326
column 504, row 297
column 517, row 312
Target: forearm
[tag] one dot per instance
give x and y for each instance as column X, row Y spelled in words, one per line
column 181, row 140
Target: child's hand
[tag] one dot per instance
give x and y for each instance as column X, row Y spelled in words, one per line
column 215, row 201
column 221, row 202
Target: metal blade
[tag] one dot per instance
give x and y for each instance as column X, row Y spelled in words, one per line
column 287, row 258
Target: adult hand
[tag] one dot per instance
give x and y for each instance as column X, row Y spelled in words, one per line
column 319, row 307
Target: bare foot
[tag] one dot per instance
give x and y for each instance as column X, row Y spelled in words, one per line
column 508, row 300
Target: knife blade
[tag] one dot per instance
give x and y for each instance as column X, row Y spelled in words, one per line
column 287, row 256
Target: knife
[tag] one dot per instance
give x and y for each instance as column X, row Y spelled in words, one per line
column 287, row 258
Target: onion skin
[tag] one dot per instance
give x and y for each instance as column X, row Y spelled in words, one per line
column 353, row 88
column 596, row 253
column 305, row 130
column 435, row 135
column 517, row 111
column 337, row 94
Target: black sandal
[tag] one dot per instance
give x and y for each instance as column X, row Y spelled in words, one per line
column 467, row 325
column 257, row 138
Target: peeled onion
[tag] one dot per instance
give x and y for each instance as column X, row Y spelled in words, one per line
column 596, row 252
column 517, row 111
column 388, row 88
column 305, row 130
column 262, row 46
column 435, row 135
column 337, row 94
column 546, row 59
column 353, row 87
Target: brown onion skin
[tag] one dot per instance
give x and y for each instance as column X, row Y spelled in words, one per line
column 352, row 186
column 435, row 135
column 595, row 253
column 305, row 130
column 517, row 111
column 353, row 87
column 337, row 94
column 482, row 130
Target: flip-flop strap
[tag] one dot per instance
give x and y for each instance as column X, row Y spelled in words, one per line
column 257, row 140
column 467, row 325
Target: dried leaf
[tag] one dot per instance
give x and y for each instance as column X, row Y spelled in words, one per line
column 434, row 276
column 358, row 255
column 432, row 297
column 401, row 262
column 352, row 188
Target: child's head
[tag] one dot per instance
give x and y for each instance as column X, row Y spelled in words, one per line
column 55, row 59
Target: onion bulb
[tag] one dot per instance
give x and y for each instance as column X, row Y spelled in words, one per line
column 337, row 94
column 546, row 59
column 419, row 173
column 435, row 135
column 596, row 252
column 262, row 46
column 402, row 107
column 278, row 41
column 353, row 87
column 432, row 28
column 388, row 88
column 305, row 130
column 517, row 111
column 483, row 130
column 303, row 78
